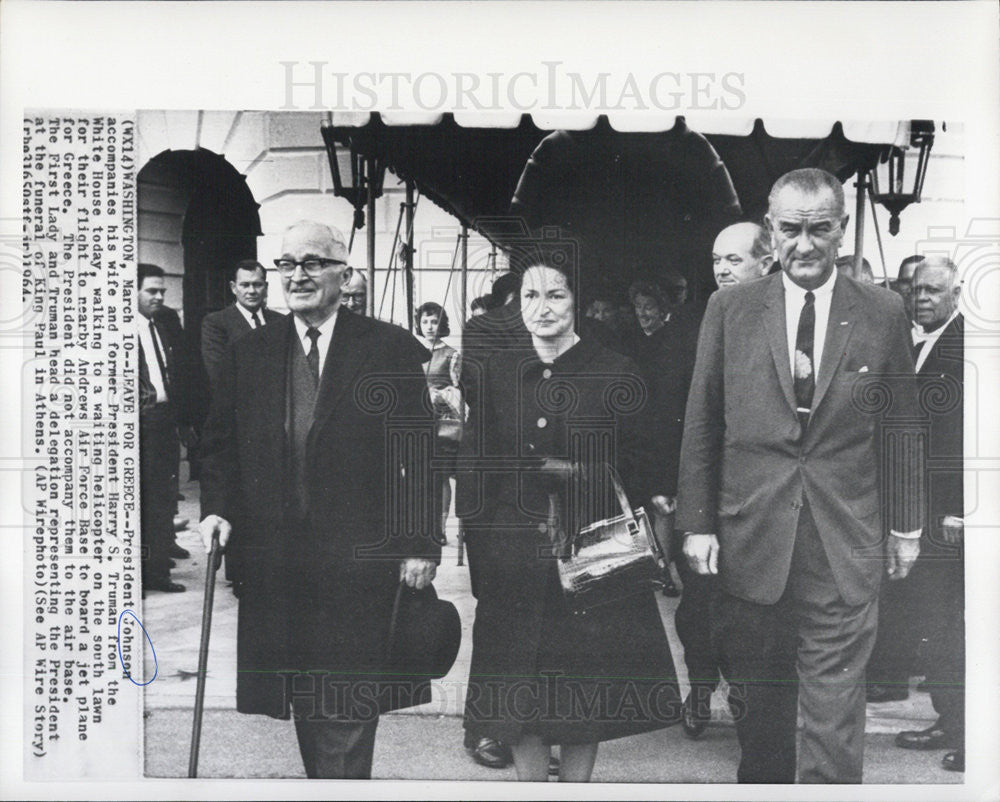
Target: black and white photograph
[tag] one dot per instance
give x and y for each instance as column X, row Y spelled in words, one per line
column 642, row 336
column 448, row 426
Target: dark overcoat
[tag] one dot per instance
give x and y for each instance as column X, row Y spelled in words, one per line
column 316, row 594
column 609, row 672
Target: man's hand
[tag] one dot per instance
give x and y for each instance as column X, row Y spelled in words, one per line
column 664, row 505
column 209, row 526
column 901, row 553
column 417, row 573
column 952, row 530
column 702, row 552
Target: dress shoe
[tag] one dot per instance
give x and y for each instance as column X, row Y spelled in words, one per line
column 179, row 552
column 934, row 737
column 876, row 694
column 954, row 761
column 165, row 585
column 694, row 720
column 180, row 523
column 669, row 588
column 490, row 753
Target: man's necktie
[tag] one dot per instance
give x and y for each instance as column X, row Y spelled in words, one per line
column 312, row 358
column 917, row 348
column 256, row 320
column 805, row 373
column 159, row 358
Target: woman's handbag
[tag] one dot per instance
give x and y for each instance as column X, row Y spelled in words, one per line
column 609, row 560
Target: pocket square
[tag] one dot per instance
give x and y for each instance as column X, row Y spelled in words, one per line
column 863, row 369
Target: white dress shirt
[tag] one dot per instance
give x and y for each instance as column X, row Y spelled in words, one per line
column 929, row 339
column 324, row 339
column 152, row 363
column 795, row 299
column 248, row 315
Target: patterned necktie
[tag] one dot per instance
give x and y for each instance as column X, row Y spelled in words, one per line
column 312, row 358
column 805, row 374
column 159, row 358
column 256, row 320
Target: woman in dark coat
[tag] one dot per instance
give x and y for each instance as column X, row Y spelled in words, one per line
column 553, row 416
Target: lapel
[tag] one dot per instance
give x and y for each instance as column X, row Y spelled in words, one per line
column 777, row 338
column 838, row 331
column 239, row 322
column 274, row 375
column 348, row 352
column 949, row 346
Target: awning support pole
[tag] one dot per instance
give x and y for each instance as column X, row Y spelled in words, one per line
column 859, row 224
column 370, row 233
column 409, row 253
column 465, row 272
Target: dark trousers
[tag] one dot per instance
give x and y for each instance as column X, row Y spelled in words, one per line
column 695, row 619
column 942, row 578
column 804, row 654
column 159, row 450
column 895, row 656
column 334, row 749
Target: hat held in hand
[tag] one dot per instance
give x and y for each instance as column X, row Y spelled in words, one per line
column 424, row 634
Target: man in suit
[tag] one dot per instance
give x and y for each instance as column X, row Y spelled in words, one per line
column 939, row 576
column 356, row 293
column 801, row 410
column 499, row 328
column 249, row 312
column 294, row 400
column 218, row 329
column 167, row 414
column 741, row 253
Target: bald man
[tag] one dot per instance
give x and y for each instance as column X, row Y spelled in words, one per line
column 321, row 565
column 741, row 253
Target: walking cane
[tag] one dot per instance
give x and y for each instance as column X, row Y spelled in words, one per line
column 214, row 559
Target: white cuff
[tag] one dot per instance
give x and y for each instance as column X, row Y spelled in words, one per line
column 906, row 535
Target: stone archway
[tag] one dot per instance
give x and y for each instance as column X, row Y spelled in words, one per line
column 197, row 218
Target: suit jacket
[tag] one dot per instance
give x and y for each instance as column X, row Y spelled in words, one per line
column 940, row 382
column 746, row 469
column 218, row 329
column 316, row 594
column 666, row 362
column 186, row 395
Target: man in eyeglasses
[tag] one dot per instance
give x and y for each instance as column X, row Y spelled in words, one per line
column 322, row 565
column 356, row 293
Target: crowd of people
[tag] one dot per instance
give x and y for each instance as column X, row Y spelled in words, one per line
column 775, row 435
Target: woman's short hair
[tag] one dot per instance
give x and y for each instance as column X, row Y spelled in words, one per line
column 651, row 290
column 431, row 308
column 559, row 255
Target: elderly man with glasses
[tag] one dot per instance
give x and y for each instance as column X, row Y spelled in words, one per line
column 323, row 524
